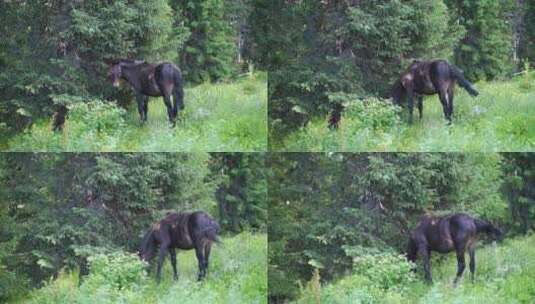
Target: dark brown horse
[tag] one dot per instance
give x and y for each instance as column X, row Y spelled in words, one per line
column 196, row 230
column 429, row 78
column 445, row 234
column 163, row 79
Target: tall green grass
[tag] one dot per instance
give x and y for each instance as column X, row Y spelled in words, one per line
column 217, row 117
column 237, row 274
column 501, row 118
column 505, row 273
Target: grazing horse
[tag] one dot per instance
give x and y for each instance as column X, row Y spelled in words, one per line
column 185, row 230
column 163, row 79
column 429, row 78
column 445, row 234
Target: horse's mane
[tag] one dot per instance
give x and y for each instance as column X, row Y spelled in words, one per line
column 126, row 61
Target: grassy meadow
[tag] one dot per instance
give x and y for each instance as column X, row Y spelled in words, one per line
column 501, row 118
column 237, row 274
column 505, row 273
column 217, row 117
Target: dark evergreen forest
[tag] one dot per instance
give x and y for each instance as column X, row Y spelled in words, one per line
column 331, row 54
column 60, row 210
column 346, row 218
column 53, row 53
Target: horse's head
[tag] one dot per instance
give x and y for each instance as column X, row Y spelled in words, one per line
column 147, row 249
column 397, row 93
column 145, row 255
column 115, row 72
column 412, row 250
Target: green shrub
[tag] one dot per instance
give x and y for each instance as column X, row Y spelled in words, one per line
column 237, row 274
column 385, row 270
column 501, row 118
column 372, row 113
column 504, row 274
column 117, row 269
column 93, row 125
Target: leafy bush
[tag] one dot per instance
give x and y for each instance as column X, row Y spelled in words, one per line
column 117, row 269
column 384, row 270
column 91, row 126
column 217, row 117
column 237, row 274
column 504, row 274
column 501, row 118
column 372, row 113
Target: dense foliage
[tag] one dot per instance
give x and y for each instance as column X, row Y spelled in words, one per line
column 237, row 275
column 502, row 118
column 52, row 52
column 356, row 48
column 218, row 117
column 504, row 274
column 333, row 211
column 60, row 209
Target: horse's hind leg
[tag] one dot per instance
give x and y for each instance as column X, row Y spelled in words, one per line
column 472, row 253
column 178, row 93
column 460, row 264
column 172, row 253
column 170, row 111
column 443, row 95
column 450, row 102
column 207, row 249
column 199, row 251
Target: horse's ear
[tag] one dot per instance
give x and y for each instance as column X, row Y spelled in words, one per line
column 110, row 61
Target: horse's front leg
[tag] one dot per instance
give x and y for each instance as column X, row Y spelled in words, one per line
column 170, row 111
column 163, row 252
column 172, row 253
column 426, row 255
column 420, row 101
column 410, row 103
column 141, row 106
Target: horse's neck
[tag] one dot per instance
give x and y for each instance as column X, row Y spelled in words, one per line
column 132, row 75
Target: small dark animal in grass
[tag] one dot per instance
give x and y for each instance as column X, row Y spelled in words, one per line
column 336, row 116
column 445, row 234
column 163, row 79
column 196, row 230
column 58, row 120
column 429, row 78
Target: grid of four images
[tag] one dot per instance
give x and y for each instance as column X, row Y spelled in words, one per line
column 267, row 151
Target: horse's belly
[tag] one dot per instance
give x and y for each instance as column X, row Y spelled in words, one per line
column 152, row 88
column 152, row 91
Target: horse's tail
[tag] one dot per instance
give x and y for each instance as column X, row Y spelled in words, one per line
column 178, row 92
column 211, row 231
column 463, row 82
column 488, row 228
